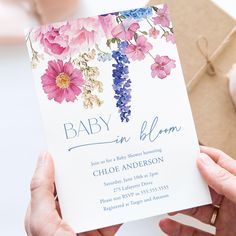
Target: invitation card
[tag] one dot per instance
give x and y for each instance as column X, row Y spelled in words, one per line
column 117, row 117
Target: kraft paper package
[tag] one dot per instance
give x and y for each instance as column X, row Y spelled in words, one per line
column 213, row 110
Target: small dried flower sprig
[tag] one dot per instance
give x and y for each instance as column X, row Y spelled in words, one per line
column 36, row 57
column 92, row 85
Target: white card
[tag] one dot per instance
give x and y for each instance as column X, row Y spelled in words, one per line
column 117, row 117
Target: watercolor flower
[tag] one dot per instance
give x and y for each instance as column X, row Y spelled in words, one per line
column 122, row 83
column 163, row 16
column 103, row 57
column 153, row 33
column 125, row 30
column 55, row 39
column 107, row 23
column 92, row 84
column 138, row 14
column 86, row 32
column 170, row 38
column 138, row 51
column 122, row 46
column 62, row 81
column 162, row 66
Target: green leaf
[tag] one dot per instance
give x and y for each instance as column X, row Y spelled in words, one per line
column 144, row 32
column 135, row 36
column 122, row 17
column 109, row 43
column 113, row 40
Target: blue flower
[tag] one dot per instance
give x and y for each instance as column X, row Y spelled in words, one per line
column 138, row 14
column 103, row 57
column 123, row 45
column 121, row 82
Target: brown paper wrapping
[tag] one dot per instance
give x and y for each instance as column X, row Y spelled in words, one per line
column 213, row 110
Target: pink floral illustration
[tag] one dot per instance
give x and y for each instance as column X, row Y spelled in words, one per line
column 163, row 16
column 153, row 33
column 119, row 38
column 125, row 30
column 138, row 51
column 55, row 39
column 162, row 66
column 85, row 32
column 62, row 81
column 108, row 23
column 170, row 38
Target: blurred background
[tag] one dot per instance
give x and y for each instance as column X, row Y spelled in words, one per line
column 21, row 132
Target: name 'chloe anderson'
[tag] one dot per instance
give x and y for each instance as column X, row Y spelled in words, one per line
column 128, row 166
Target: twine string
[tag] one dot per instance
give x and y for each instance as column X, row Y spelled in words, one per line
column 202, row 44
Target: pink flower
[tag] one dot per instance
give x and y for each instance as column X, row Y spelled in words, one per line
column 55, row 39
column 86, row 32
column 62, row 81
column 138, row 51
column 125, row 30
column 170, row 38
column 163, row 17
column 107, row 23
column 153, row 32
column 162, row 66
column 61, row 40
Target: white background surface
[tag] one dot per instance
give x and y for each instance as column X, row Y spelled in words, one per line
column 21, row 133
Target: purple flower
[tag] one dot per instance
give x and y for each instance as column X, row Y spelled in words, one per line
column 121, row 82
column 122, row 46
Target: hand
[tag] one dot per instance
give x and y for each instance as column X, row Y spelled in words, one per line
column 50, row 11
column 219, row 171
column 43, row 214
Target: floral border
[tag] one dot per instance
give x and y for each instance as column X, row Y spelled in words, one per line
column 74, row 45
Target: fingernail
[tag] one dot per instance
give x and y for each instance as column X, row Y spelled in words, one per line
column 205, row 159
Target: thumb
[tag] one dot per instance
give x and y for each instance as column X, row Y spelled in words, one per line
column 43, row 179
column 42, row 206
column 44, row 218
column 218, row 178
